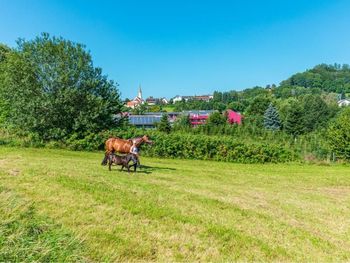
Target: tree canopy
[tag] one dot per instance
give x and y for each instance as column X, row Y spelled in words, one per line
column 164, row 124
column 50, row 87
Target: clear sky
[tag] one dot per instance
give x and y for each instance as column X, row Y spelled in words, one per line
column 190, row 47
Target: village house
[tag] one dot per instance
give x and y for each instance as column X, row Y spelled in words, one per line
column 206, row 98
column 344, row 102
column 151, row 101
column 155, row 101
column 186, row 98
column 178, row 98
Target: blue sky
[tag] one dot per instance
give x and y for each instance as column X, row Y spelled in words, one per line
column 190, row 47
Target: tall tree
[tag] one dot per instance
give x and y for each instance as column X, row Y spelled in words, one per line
column 183, row 122
column 294, row 123
column 271, row 118
column 342, row 95
column 54, row 90
column 339, row 135
column 316, row 112
column 254, row 114
column 216, row 118
column 164, row 124
column 5, row 51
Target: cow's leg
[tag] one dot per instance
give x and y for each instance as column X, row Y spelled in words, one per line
column 110, row 165
column 105, row 159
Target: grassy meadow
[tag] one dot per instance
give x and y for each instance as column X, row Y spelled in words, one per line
column 58, row 205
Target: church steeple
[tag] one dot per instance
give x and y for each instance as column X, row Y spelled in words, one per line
column 140, row 92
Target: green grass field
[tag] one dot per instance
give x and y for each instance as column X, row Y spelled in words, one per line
column 59, row 205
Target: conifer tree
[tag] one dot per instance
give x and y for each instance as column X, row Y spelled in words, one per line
column 164, row 124
column 271, row 118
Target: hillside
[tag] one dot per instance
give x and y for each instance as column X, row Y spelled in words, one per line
column 329, row 78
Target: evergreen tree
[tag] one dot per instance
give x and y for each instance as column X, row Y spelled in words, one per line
column 164, row 124
column 342, row 95
column 271, row 118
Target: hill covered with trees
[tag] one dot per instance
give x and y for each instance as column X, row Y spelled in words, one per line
column 328, row 78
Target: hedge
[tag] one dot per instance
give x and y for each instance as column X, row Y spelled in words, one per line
column 189, row 146
column 177, row 145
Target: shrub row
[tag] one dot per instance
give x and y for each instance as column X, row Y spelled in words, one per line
column 216, row 148
column 188, row 146
column 179, row 145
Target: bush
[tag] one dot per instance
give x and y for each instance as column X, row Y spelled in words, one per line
column 339, row 135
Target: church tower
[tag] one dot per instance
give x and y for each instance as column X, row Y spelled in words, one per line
column 140, row 92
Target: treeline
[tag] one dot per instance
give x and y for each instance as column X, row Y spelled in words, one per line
column 329, row 78
column 294, row 116
column 309, row 137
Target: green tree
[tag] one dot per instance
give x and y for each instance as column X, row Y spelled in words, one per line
column 183, row 122
column 294, row 123
column 219, row 106
column 256, row 109
column 271, row 118
column 54, row 90
column 339, row 135
column 164, row 124
column 139, row 109
column 258, row 105
column 217, row 96
column 5, row 51
column 316, row 112
column 342, row 95
column 216, row 118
